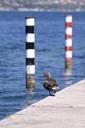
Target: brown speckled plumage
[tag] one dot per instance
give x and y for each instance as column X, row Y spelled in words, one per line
column 50, row 84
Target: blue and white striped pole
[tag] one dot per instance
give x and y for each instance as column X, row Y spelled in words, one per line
column 30, row 51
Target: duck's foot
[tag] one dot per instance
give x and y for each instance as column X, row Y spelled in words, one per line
column 52, row 93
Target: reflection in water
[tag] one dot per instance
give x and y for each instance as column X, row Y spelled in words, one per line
column 30, row 92
column 68, row 77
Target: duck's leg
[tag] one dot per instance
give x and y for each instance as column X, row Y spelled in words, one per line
column 52, row 93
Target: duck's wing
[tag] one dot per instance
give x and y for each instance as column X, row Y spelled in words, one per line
column 50, row 84
column 54, row 82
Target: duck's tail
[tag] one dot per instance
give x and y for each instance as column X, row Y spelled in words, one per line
column 54, row 90
column 52, row 93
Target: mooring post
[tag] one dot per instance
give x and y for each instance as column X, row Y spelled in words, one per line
column 68, row 46
column 30, row 52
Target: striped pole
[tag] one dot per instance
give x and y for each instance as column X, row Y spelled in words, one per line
column 68, row 47
column 30, row 51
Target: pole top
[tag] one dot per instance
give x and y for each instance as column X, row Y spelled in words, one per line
column 30, row 21
column 29, row 17
column 69, row 18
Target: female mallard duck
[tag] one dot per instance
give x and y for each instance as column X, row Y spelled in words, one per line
column 50, row 84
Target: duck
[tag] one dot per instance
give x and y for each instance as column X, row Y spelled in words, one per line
column 50, row 84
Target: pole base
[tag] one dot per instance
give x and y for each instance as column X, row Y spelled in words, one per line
column 68, row 65
column 30, row 82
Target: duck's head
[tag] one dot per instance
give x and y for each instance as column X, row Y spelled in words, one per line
column 47, row 75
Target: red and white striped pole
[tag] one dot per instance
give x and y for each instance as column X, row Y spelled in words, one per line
column 68, row 47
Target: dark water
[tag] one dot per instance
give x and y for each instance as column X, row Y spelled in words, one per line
column 50, row 56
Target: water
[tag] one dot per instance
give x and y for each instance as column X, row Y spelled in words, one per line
column 50, row 56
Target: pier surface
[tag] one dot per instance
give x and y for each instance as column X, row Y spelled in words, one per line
column 65, row 110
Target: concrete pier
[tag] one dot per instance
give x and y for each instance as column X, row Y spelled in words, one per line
column 65, row 110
